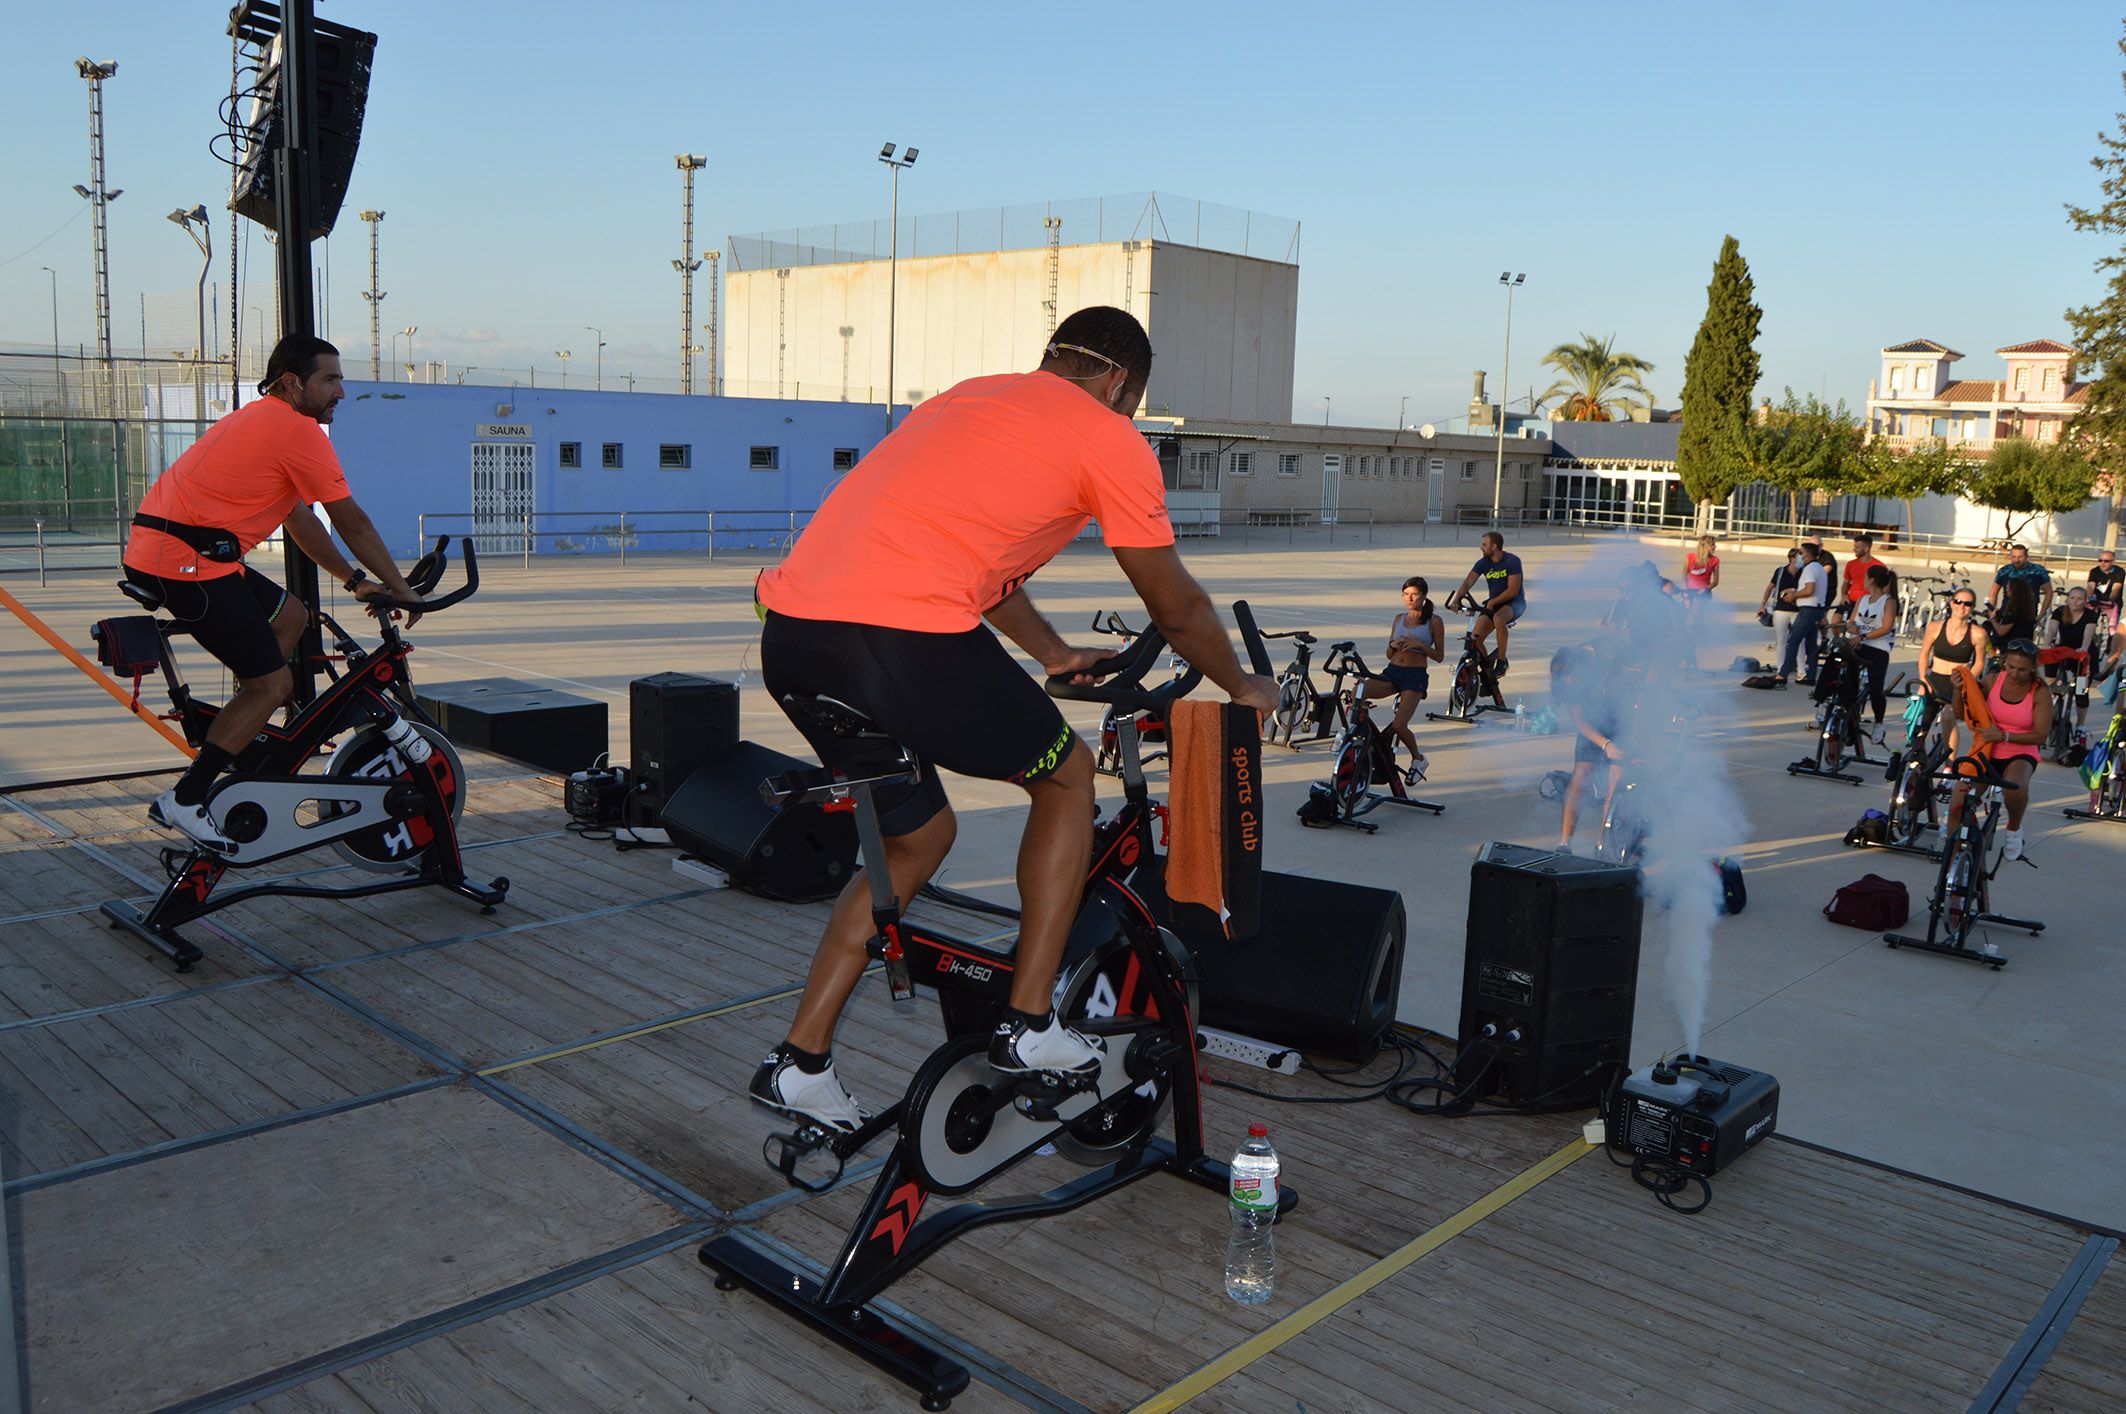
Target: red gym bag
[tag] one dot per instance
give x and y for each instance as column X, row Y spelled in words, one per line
column 1871, row 902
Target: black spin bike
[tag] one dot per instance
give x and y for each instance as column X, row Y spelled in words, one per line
column 1475, row 673
column 1365, row 758
column 1963, row 889
column 1303, row 707
column 962, row 1124
column 388, row 802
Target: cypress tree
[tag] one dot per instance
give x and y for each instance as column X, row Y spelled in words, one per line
column 1718, row 378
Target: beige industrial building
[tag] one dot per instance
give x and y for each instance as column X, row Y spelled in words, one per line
column 809, row 319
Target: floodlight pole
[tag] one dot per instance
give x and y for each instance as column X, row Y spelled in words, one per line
column 715, row 289
column 601, row 354
column 687, row 263
column 99, row 197
column 374, row 295
column 204, row 239
column 893, row 266
column 1498, row 471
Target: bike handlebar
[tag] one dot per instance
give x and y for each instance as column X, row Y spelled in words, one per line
column 427, row 572
column 1124, row 673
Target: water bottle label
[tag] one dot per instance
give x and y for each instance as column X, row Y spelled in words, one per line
column 1256, row 1191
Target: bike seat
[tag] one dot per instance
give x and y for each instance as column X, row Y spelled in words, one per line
column 1303, row 637
column 1347, row 646
column 140, row 594
column 831, row 717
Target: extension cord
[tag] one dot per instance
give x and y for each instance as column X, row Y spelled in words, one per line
column 1225, row 1045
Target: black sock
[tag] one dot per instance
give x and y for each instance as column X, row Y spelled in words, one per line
column 810, row 1062
column 198, row 779
column 1031, row 1020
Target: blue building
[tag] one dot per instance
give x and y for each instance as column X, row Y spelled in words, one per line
column 595, row 472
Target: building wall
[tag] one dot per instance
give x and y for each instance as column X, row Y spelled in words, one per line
column 1223, row 327
column 1383, row 474
column 407, row 449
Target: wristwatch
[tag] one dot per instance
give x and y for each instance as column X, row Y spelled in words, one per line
column 354, row 579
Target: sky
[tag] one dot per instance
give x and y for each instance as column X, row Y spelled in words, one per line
column 1891, row 171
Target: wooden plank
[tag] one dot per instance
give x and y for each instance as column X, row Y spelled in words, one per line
column 55, row 965
column 123, row 1081
column 340, row 1228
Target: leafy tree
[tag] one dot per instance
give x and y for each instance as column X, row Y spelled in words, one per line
column 1802, row 446
column 2100, row 328
column 1597, row 382
column 1930, row 468
column 1719, row 376
column 2031, row 479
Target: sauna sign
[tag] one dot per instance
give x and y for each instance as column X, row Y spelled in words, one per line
column 492, row 431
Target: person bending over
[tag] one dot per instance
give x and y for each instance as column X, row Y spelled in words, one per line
column 1503, row 600
column 257, row 470
column 1414, row 640
column 882, row 605
column 2022, row 719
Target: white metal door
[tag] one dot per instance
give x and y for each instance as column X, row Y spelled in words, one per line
column 1436, row 492
column 1332, row 479
column 502, row 481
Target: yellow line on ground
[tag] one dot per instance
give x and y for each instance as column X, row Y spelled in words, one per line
column 641, row 1031
column 1322, row 1307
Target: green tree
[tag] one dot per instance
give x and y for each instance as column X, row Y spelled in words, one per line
column 2030, row 479
column 2100, row 328
column 1800, row 447
column 1719, row 376
column 1929, row 469
column 1597, row 382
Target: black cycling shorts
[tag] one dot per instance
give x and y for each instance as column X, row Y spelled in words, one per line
column 955, row 700
column 231, row 616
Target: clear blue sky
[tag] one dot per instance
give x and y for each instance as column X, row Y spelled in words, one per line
column 1891, row 171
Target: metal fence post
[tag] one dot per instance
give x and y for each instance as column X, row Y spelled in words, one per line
column 40, row 554
column 527, row 539
column 623, row 540
column 712, row 537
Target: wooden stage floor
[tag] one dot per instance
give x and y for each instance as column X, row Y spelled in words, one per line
column 392, row 1155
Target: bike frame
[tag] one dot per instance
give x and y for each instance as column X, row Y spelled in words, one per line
column 1954, row 909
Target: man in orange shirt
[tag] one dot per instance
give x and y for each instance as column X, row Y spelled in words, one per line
column 881, row 605
column 258, row 469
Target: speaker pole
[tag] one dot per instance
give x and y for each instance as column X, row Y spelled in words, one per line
column 294, row 216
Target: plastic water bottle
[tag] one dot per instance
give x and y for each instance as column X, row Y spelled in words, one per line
column 1250, row 1252
column 411, row 744
column 1520, row 716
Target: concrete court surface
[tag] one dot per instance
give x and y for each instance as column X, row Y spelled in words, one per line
column 2004, row 1082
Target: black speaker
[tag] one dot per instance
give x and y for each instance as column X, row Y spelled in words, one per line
column 676, row 722
column 798, row 853
column 339, row 97
column 535, row 723
column 1322, row 975
column 1550, row 976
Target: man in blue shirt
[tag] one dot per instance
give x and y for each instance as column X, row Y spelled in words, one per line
column 2015, row 614
column 1502, row 601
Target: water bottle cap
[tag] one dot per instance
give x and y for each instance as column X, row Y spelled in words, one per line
column 1258, row 1131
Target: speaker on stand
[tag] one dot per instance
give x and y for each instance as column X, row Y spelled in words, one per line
column 676, row 722
column 1550, row 977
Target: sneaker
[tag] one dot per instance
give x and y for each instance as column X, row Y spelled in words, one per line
column 1881, row 737
column 1498, row 666
column 2011, row 845
column 781, row 1086
column 191, row 821
column 1416, row 772
column 1018, row 1049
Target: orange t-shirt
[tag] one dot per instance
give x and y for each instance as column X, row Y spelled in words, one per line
column 975, row 491
column 245, row 476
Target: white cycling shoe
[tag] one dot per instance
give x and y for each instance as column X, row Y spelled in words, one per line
column 781, row 1086
column 1017, row 1049
column 2011, row 845
column 191, row 821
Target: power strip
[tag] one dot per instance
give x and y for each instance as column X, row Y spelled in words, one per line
column 694, row 868
column 1225, row 1045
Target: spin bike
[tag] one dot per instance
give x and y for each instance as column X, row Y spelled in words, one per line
column 388, row 803
column 961, row 1124
column 1963, row 891
column 2107, row 788
column 1107, row 759
column 1915, row 771
column 1474, row 674
column 1300, row 704
column 1365, row 757
column 1842, row 683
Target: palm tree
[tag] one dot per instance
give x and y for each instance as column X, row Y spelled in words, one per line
column 1597, row 382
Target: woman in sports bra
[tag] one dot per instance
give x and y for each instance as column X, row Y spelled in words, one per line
column 1414, row 641
column 1950, row 643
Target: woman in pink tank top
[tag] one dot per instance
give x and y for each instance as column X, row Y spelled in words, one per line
column 2022, row 719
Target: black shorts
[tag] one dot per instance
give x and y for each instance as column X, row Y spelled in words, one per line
column 955, row 700
column 231, row 616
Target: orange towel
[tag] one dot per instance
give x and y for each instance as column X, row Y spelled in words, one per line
column 1214, row 864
